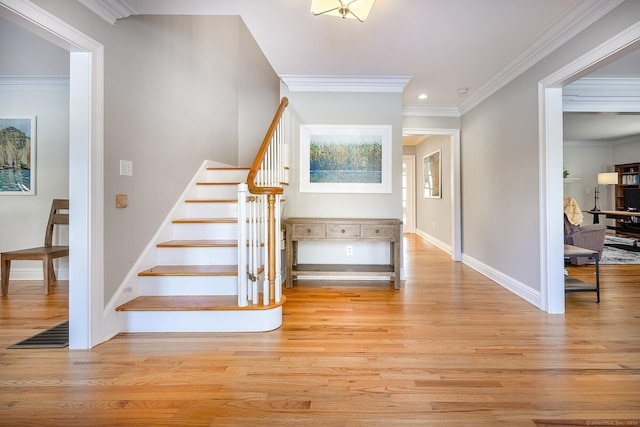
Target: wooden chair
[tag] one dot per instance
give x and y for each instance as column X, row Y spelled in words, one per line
column 46, row 253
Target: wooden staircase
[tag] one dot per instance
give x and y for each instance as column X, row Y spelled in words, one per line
column 194, row 288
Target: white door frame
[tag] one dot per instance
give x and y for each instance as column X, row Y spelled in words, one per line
column 550, row 166
column 86, row 178
column 410, row 160
column 456, row 217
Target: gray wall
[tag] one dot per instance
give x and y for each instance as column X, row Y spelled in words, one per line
column 23, row 219
column 433, row 215
column 172, row 100
column 345, row 109
column 499, row 156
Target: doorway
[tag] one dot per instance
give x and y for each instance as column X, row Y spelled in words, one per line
column 551, row 157
column 86, row 278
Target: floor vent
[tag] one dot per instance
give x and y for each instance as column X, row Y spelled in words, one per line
column 56, row 337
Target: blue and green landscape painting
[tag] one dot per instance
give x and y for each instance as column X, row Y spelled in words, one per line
column 15, row 155
column 345, row 159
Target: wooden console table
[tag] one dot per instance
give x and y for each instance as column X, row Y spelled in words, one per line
column 387, row 230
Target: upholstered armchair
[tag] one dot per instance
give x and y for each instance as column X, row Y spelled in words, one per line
column 584, row 236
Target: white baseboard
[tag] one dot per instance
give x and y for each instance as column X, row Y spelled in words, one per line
column 435, row 242
column 523, row 291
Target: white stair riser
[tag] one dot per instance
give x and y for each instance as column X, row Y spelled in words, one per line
column 198, row 256
column 214, row 175
column 201, row 321
column 217, row 192
column 205, row 231
column 212, row 210
column 188, row 285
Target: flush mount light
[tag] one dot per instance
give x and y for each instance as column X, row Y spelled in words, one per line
column 463, row 91
column 353, row 9
column 423, row 96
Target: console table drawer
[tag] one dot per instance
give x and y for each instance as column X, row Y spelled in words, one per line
column 309, row 231
column 380, row 231
column 342, row 231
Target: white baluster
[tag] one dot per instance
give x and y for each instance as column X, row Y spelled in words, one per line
column 242, row 238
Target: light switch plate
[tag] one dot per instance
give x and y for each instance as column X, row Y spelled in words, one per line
column 126, row 168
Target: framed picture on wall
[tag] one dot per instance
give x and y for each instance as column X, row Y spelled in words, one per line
column 432, row 175
column 17, row 155
column 345, row 159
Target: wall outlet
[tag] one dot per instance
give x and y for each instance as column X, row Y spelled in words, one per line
column 349, row 250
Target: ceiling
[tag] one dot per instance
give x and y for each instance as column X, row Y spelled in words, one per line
column 439, row 46
column 442, row 45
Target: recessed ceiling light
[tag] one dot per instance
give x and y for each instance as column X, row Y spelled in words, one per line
column 423, row 96
column 463, row 91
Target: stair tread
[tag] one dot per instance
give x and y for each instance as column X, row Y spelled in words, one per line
column 221, row 243
column 218, row 183
column 192, row 303
column 191, row 270
column 239, row 168
column 205, row 220
column 211, row 201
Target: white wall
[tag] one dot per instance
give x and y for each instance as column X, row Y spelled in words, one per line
column 584, row 161
column 34, row 81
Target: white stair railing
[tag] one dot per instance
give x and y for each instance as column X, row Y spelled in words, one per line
column 259, row 217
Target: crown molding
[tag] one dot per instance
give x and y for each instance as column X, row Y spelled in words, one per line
column 109, row 10
column 35, row 82
column 602, row 95
column 430, row 111
column 567, row 27
column 388, row 84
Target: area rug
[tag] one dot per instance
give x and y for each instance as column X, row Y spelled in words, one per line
column 619, row 250
column 56, row 337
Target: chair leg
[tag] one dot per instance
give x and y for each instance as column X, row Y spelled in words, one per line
column 6, row 268
column 46, row 267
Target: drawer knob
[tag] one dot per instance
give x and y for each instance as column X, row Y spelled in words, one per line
column 308, row 230
column 377, row 231
column 342, row 231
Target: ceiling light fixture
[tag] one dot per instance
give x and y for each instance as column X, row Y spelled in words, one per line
column 354, row 9
column 423, row 96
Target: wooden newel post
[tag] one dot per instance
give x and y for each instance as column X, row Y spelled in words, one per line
column 271, row 244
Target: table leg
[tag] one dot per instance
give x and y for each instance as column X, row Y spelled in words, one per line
column 597, row 257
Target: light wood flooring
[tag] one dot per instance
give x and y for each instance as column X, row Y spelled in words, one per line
column 450, row 348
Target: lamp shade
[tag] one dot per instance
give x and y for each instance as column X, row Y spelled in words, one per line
column 354, row 9
column 607, row 178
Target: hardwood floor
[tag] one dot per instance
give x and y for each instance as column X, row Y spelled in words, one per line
column 450, row 348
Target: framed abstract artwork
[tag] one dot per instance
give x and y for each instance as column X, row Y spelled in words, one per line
column 345, row 159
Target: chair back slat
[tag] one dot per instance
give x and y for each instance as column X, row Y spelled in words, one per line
column 56, row 217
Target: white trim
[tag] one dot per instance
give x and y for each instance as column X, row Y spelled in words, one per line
column 602, row 95
column 568, row 26
column 430, row 111
column 109, row 10
column 522, row 290
column 86, row 133
column 435, row 242
column 300, row 83
column 410, row 160
column 456, row 216
column 44, row 82
column 550, row 165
